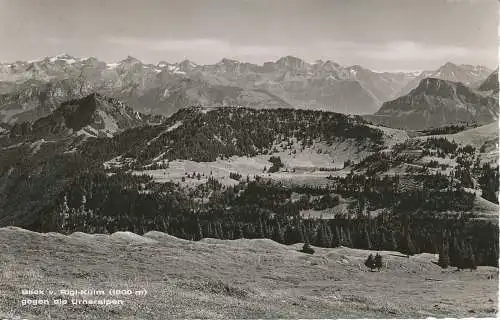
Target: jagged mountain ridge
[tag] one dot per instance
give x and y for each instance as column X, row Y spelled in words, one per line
column 467, row 74
column 162, row 89
column 436, row 103
column 32, row 89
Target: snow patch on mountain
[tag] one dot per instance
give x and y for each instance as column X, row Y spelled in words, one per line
column 174, row 126
column 112, row 65
column 171, row 128
column 88, row 131
column 35, row 146
column 110, row 124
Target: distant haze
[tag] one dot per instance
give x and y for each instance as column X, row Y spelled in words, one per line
column 378, row 34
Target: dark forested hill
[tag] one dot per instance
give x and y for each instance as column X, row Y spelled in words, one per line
column 204, row 134
column 45, row 153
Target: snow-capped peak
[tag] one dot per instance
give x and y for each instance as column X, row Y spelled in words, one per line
column 187, row 64
column 130, row 60
column 163, row 64
column 63, row 57
column 112, row 65
column 228, row 61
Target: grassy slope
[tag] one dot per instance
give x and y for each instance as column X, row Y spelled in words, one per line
column 475, row 137
column 306, row 161
column 232, row 279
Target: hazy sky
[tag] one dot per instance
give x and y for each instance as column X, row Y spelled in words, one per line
column 379, row 34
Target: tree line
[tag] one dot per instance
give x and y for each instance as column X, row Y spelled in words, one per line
column 96, row 202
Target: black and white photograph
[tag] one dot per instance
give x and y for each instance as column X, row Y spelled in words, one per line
column 249, row 159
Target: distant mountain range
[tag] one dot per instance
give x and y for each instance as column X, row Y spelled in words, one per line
column 30, row 90
column 467, row 74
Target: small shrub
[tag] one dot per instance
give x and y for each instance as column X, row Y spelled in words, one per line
column 370, row 262
column 277, row 164
column 347, row 163
column 444, row 259
column 307, row 249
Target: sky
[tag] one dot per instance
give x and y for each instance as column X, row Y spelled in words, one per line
column 384, row 35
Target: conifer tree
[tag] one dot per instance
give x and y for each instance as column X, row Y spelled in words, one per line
column 64, row 215
column 348, row 238
column 469, row 262
column 407, row 245
column 456, row 253
column 219, row 232
column 261, row 230
column 382, row 240
column 324, row 238
column 306, row 233
column 209, row 230
column 370, row 262
column 378, row 261
column 316, row 238
column 444, row 259
column 366, row 241
column 335, row 238
column 200, row 231
column 238, row 232
column 342, row 236
column 278, row 234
